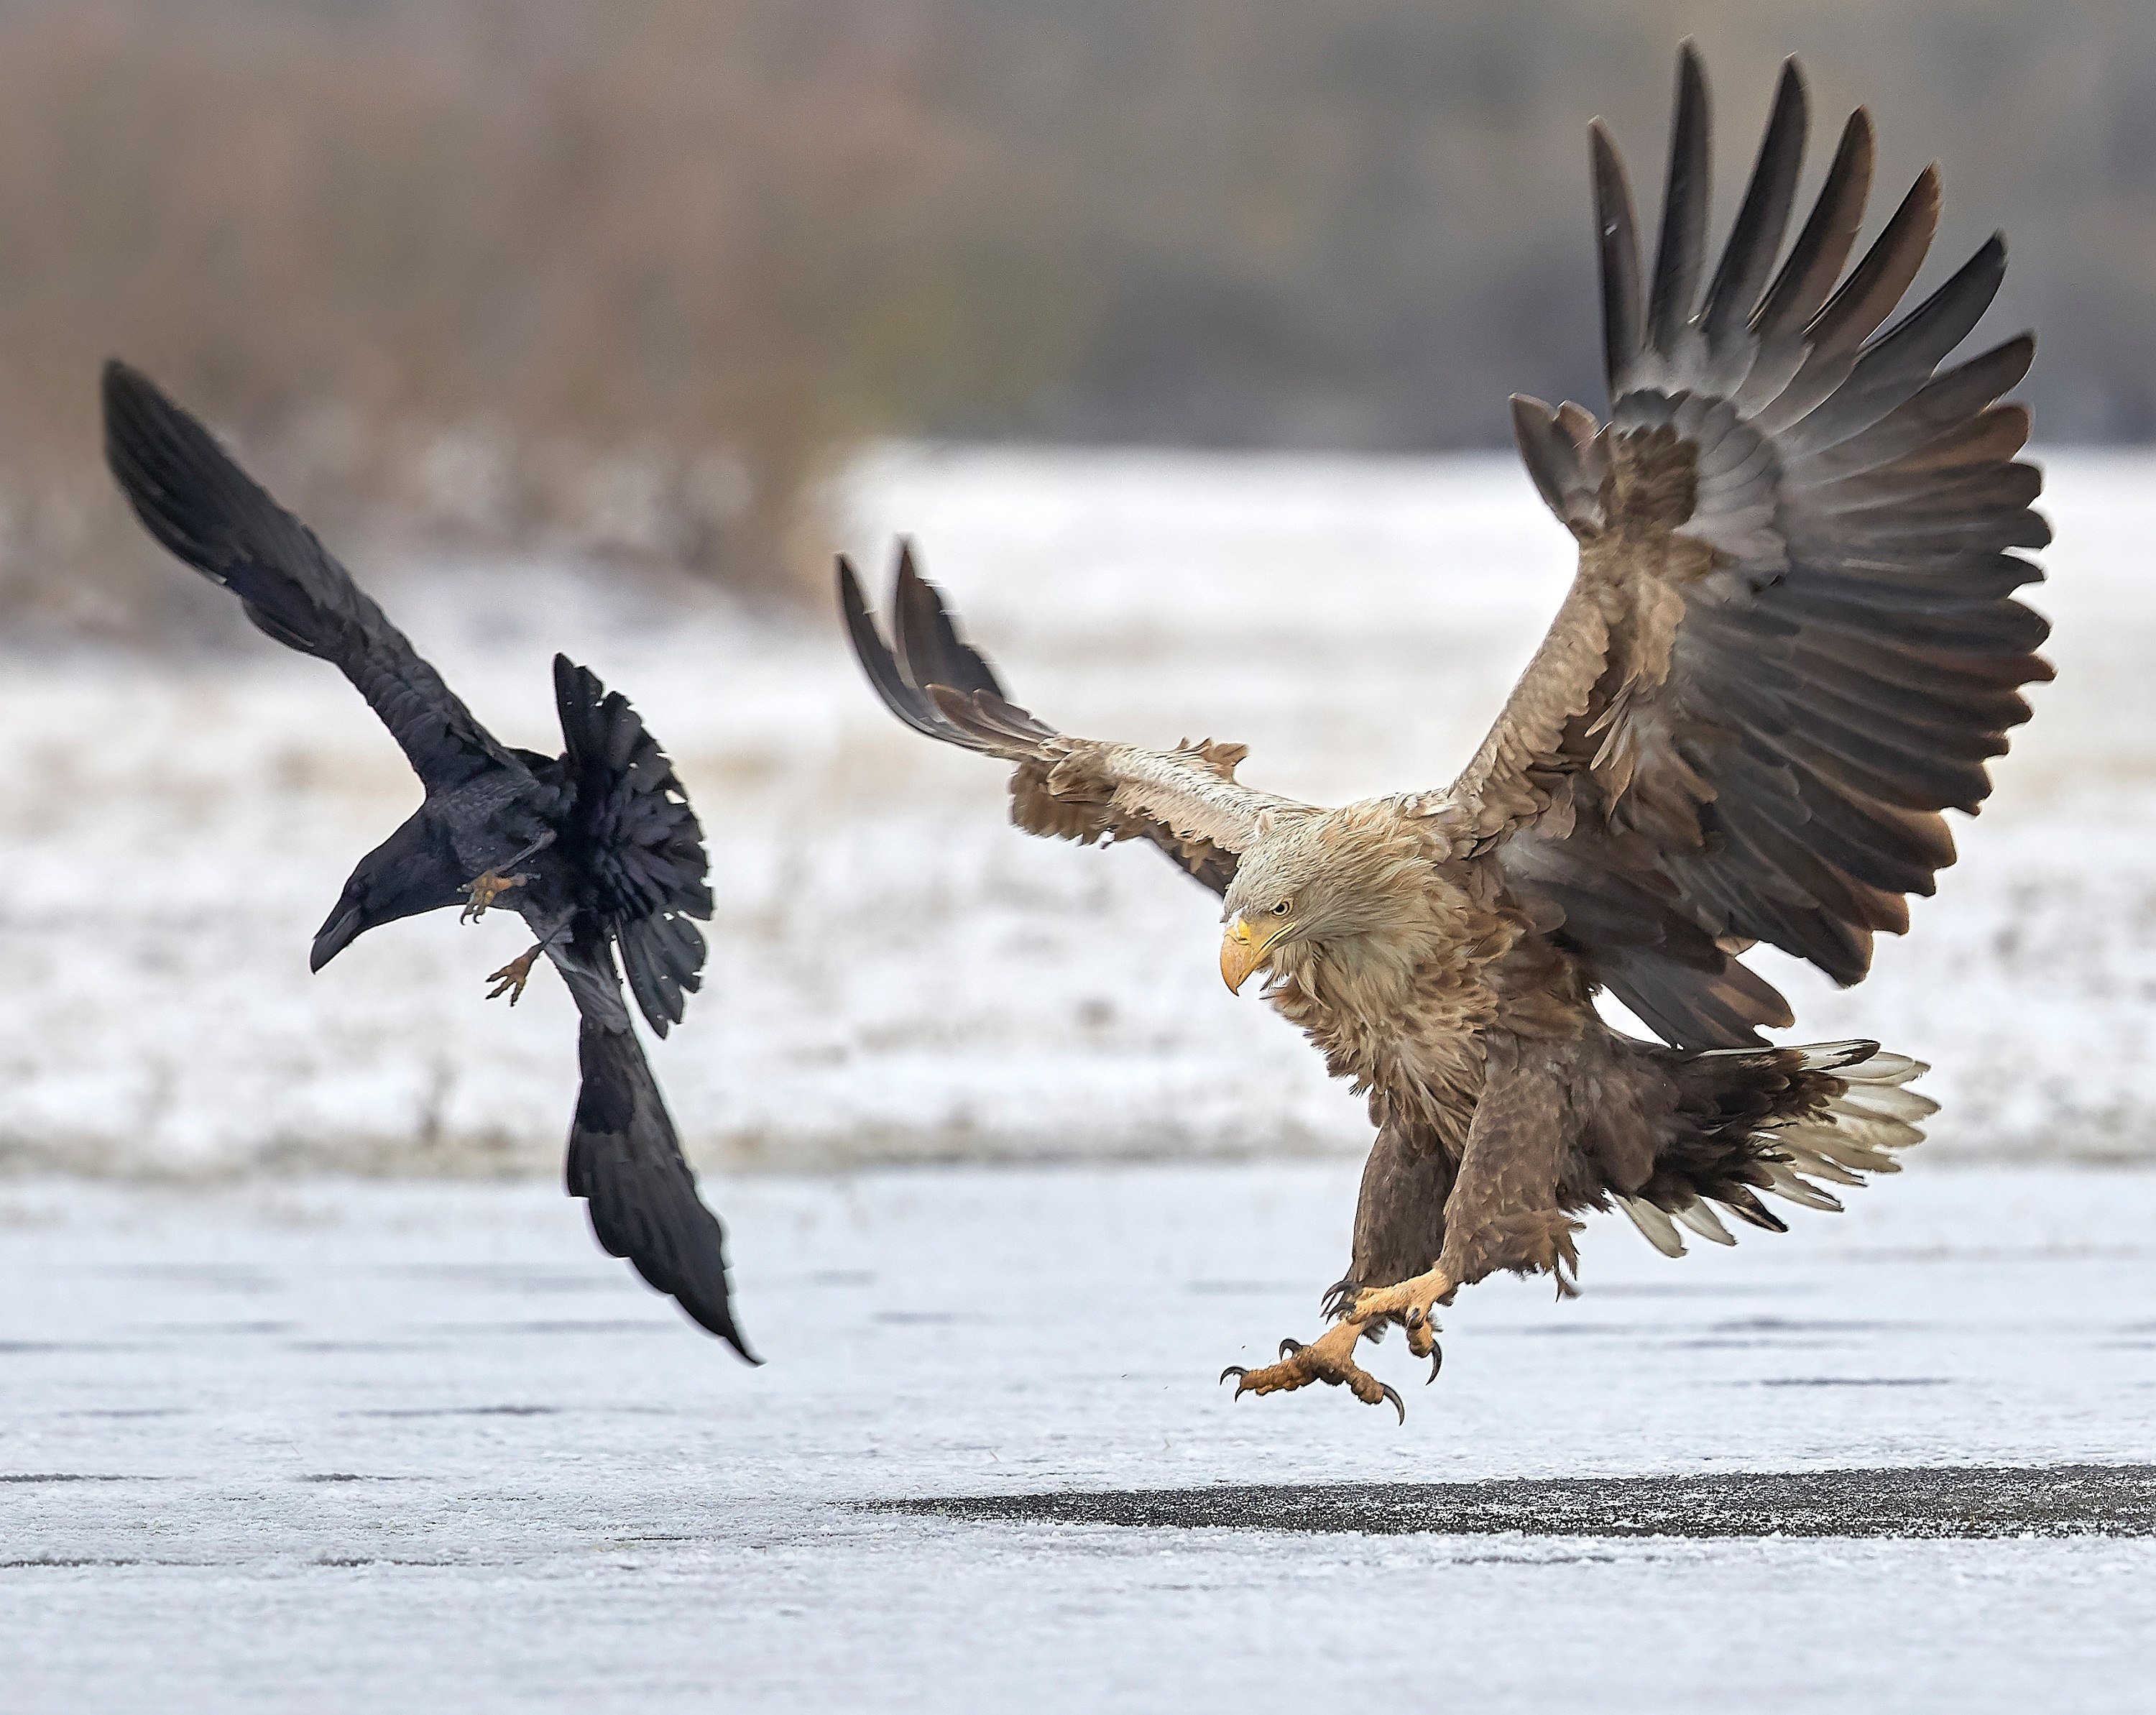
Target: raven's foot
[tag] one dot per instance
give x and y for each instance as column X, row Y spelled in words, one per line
column 1331, row 1358
column 512, row 977
column 483, row 891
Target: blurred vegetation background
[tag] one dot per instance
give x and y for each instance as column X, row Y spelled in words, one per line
column 629, row 278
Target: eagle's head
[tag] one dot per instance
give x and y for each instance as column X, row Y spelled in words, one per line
column 1337, row 885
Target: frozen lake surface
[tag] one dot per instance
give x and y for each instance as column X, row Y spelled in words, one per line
column 385, row 1445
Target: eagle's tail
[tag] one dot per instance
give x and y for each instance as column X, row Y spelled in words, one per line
column 1774, row 1120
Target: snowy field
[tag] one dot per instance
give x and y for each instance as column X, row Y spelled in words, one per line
column 274, row 1441
column 895, row 975
column 360, row 1448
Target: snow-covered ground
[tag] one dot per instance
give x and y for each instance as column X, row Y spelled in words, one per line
column 895, row 974
column 344, row 1447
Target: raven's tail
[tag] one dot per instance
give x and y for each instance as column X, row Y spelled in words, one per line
column 626, row 1162
column 646, row 848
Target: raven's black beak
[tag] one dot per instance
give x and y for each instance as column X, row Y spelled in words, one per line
column 341, row 930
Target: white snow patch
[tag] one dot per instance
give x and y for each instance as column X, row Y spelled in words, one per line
column 894, row 974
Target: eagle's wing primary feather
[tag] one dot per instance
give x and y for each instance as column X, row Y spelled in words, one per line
column 1792, row 641
column 199, row 504
column 1185, row 801
column 626, row 1162
column 643, row 844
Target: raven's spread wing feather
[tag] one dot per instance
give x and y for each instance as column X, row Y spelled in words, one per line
column 626, row 1162
column 640, row 845
column 1792, row 641
column 1186, row 802
column 204, row 508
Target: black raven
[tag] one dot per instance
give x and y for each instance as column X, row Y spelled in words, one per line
column 595, row 849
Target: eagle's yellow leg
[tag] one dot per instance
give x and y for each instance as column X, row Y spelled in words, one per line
column 484, row 890
column 1331, row 1358
column 512, row 977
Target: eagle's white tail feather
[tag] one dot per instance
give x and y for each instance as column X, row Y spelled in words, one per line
column 1699, row 1216
column 1655, row 1227
column 1783, row 1181
column 1855, row 1131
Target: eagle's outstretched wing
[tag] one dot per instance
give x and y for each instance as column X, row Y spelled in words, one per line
column 1792, row 641
column 1185, row 801
column 204, row 508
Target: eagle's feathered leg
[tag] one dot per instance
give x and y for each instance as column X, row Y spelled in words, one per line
column 1399, row 1229
column 1499, row 1208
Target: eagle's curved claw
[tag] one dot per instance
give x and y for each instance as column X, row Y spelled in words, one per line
column 1422, row 1339
column 1330, row 1358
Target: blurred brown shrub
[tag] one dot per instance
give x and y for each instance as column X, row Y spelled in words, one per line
column 627, row 276
column 615, row 275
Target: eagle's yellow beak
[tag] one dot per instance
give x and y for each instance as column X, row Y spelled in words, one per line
column 1242, row 951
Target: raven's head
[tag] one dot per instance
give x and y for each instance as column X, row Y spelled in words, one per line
column 405, row 874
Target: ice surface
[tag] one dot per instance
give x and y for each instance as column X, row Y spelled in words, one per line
column 351, row 1447
column 895, row 974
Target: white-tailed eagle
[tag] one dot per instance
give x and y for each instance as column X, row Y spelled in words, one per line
column 1792, row 642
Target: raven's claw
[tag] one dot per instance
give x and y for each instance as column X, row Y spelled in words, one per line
column 483, row 891
column 512, row 977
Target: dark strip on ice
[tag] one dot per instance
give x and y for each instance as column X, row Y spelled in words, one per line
column 1955, row 1501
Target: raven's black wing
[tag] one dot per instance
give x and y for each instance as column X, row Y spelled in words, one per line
column 626, row 1162
column 638, row 841
column 198, row 503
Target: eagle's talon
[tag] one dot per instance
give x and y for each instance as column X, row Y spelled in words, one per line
column 1386, row 1389
column 1330, row 1358
column 1436, row 1363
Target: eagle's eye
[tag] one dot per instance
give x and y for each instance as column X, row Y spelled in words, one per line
column 1280, row 910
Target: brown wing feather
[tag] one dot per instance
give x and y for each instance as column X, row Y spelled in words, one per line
column 1186, row 802
column 1792, row 642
